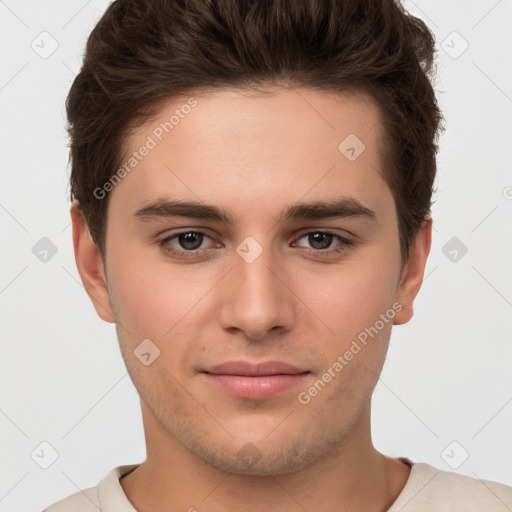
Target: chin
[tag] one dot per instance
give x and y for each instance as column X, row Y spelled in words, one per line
column 264, row 457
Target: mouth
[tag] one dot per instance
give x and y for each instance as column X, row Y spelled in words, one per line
column 255, row 381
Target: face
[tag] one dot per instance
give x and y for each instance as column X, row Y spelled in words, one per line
column 266, row 316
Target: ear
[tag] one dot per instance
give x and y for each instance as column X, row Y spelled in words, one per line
column 90, row 265
column 413, row 271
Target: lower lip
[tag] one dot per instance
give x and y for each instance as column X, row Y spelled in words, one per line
column 257, row 387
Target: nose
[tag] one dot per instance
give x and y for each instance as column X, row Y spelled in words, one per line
column 257, row 297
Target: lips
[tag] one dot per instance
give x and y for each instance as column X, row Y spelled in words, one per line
column 255, row 381
column 258, row 369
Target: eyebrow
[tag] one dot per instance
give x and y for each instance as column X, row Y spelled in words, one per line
column 316, row 210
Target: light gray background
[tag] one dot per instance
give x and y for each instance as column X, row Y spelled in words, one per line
column 447, row 377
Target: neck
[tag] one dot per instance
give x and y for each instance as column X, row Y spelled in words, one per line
column 351, row 476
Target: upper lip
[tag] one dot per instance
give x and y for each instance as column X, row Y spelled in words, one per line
column 254, row 369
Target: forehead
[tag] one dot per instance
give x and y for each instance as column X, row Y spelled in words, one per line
column 241, row 146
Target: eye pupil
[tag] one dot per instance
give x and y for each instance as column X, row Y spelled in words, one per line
column 323, row 238
column 190, row 238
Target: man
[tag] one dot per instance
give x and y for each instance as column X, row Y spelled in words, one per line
column 252, row 185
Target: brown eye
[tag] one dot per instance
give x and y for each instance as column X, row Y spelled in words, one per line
column 184, row 244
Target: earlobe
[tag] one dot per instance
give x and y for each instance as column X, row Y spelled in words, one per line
column 413, row 272
column 90, row 265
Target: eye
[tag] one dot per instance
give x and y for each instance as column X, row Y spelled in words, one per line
column 321, row 241
column 187, row 244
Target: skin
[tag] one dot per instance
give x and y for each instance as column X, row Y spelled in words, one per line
column 256, row 154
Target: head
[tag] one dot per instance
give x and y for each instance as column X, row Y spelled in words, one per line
column 252, row 110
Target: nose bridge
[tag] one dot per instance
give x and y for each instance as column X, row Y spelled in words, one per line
column 256, row 300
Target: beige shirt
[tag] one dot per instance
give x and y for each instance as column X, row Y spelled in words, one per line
column 428, row 489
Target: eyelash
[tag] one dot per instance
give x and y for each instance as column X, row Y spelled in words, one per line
column 191, row 254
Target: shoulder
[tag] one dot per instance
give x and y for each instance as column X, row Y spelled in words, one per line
column 82, row 501
column 429, row 488
column 108, row 495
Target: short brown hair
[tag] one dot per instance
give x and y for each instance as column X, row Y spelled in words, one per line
column 144, row 52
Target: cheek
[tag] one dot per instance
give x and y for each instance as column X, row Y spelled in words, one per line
column 353, row 295
column 155, row 299
column 358, row 309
